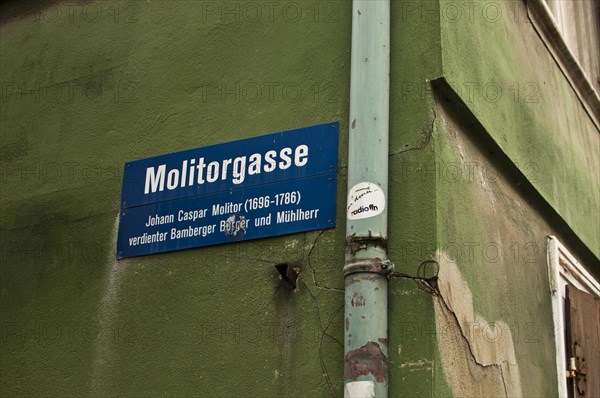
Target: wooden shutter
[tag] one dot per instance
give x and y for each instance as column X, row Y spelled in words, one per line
column 583, row 342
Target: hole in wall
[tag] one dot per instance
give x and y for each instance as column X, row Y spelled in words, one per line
column 288, row 273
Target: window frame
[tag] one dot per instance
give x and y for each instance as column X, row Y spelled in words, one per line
column 544, row 23
column 564, row 269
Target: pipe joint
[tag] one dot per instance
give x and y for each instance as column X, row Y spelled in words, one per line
column 355, row 245
column 372, row 266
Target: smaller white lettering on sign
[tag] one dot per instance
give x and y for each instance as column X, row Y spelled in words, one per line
column 365, row 200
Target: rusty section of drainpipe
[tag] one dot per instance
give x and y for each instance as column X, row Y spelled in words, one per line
column 366, row 274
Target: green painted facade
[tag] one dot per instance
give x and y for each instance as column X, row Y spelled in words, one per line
column 490, row 152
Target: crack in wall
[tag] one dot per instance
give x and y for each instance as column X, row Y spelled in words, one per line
column 426, row 138
column 312, row 269
column 480, row 362
column 323, row 327
column 465, row 338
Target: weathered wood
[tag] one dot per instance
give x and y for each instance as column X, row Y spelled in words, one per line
column 584, row 342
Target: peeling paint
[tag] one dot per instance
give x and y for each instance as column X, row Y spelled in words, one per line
column 358, row 300
column 235, row 226
column 417, row 364
column 368, row 359
column 473, row 364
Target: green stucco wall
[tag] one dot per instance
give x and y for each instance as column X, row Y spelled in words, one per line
column 149, row 78
column 88, row 86
column 517, row 160
column 507, row 77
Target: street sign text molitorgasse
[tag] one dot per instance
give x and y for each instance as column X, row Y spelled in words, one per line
column 270, row 185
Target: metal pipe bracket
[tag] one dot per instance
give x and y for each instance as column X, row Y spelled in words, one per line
column 372, row 266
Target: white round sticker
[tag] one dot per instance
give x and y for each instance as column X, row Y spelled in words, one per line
column 365, row 199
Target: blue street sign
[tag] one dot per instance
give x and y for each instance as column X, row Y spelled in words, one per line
column 267, row 159
column 258, row 187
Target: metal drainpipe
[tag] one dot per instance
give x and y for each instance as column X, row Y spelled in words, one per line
column 367, row 266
